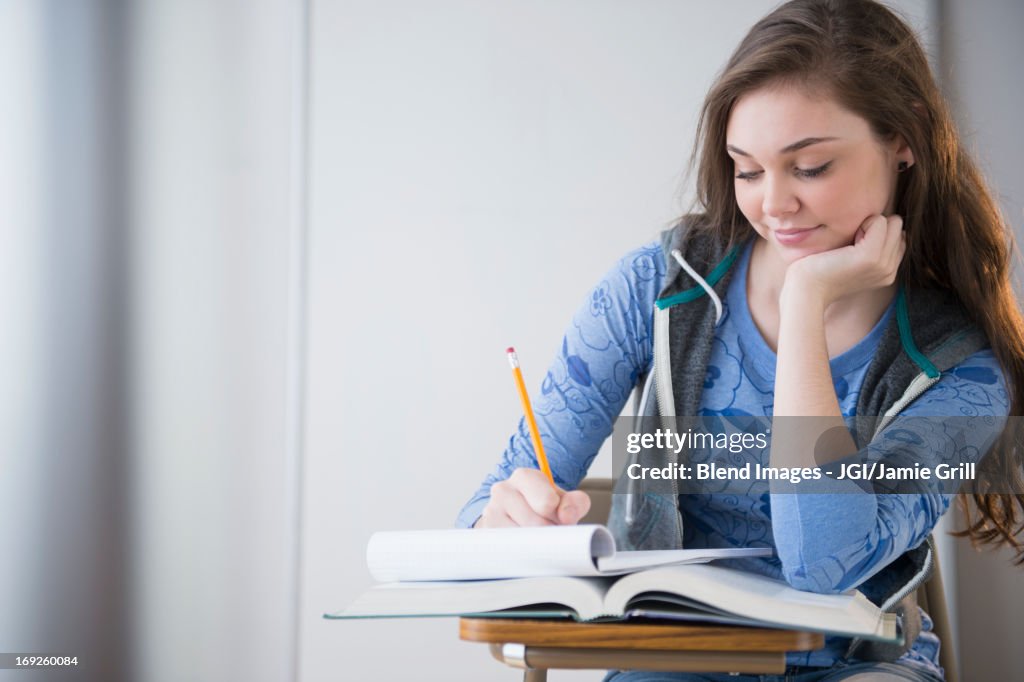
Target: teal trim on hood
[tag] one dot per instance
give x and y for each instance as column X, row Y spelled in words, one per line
column 698, row 291
column 907, row 339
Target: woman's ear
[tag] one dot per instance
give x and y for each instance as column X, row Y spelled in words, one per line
column 904, row 155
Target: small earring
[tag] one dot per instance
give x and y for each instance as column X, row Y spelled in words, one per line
column 902, row 166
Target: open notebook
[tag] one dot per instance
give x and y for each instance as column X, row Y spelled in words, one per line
column 483, row 553
column 567, row 573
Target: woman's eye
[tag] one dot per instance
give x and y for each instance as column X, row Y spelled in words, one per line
column 813, row 172
column 802, row 172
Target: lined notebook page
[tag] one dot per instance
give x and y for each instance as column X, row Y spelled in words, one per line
column 479, row 553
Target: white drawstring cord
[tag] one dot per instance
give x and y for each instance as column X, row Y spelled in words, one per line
column 638, row 425
column 700, row 280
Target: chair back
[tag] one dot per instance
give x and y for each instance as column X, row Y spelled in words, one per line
column 600, row 492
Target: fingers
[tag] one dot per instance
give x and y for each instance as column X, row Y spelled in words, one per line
column 871, row 261
column 894, row 233
column 493, row 517
column 527, row 498
column 573, row 507
column 884, row 242
column 517, row 508
column 874, row 230
column 536, row 489
column 894, row 248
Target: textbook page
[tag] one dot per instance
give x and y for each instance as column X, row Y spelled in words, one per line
column 757, row 598
column 532, row 597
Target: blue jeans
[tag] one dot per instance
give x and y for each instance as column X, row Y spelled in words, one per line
column 854, row 672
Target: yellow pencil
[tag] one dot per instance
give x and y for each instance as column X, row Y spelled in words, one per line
column 513, row 360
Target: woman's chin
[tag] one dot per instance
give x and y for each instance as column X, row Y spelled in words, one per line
column 791, row 254
column 812, row 244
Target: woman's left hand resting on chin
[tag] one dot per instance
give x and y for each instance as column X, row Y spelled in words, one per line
column 871, row 262
column 803, row 380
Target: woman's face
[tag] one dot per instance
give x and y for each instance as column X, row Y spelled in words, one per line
column 808, row 172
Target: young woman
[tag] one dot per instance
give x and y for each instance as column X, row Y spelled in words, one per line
column 847, row 261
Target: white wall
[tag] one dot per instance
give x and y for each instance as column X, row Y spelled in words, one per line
column 475, row 167
column 211, row 158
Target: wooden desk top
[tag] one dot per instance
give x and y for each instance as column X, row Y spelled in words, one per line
column 643, row 635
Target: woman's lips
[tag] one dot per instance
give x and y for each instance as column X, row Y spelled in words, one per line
column 794, row 235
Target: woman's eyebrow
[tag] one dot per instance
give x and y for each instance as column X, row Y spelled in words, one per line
column 796, row 146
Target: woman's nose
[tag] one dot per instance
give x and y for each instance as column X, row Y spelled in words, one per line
column 779, row 198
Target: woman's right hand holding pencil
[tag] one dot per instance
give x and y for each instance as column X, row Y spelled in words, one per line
column 530, row 497
column 527, row 498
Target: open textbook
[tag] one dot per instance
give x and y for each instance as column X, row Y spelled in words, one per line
column 560, row 586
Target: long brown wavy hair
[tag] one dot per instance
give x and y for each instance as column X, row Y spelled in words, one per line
column 863, row 56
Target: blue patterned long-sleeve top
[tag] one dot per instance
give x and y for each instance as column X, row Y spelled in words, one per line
column 823, row 543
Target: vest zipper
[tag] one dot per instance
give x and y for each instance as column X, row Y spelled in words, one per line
column 916, row 581
column 898, row 596
column 666, row 398
column 921, row 383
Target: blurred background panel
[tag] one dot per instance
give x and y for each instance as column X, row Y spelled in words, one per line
column 980, row 75
column 63, row 455
column 147, row 164
column 259, row 263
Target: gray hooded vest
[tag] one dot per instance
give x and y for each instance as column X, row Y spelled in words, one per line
column 929, row 334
